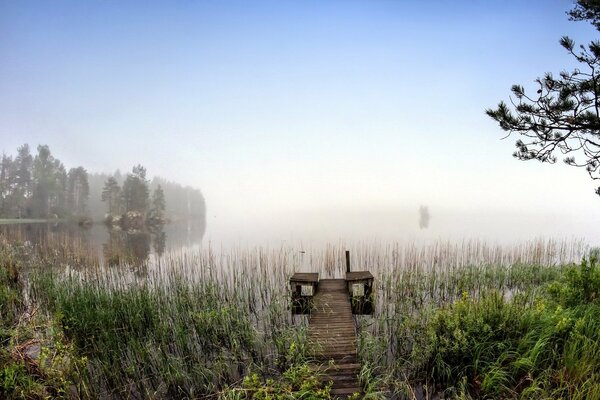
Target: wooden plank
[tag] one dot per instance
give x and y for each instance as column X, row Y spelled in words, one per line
column 311, row 277
column 358, row 275
column 332, row 336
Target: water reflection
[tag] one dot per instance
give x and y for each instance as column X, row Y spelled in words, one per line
column 124, row 247
column 159, row 242
column 113, row 246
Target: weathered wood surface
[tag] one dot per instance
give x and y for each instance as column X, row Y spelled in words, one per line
column 332, row 336
column 311, row 277
column 358, row 276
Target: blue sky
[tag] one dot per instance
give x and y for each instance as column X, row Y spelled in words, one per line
column 295, row 116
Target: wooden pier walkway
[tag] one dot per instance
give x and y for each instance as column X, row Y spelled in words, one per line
column 332, row 335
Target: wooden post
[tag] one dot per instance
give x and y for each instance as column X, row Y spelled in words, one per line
column 347, row 260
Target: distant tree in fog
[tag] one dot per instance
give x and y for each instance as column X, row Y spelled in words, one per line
column 135, row 191
column 16, row 183
column 22, row 179
column 78, row 190
column 59, row 197
column 6, row 187
column 44, row 182
column 111, row 193
column 424, row 217
column 181, row 202
column 40, row 186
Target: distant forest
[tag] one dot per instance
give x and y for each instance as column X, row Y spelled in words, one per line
column 40, row 186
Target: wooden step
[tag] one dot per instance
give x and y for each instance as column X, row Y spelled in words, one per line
column 346, row 391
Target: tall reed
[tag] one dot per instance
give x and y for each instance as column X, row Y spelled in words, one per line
column 192, row 322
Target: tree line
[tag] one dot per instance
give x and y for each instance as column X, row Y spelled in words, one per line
column 39, row 186
column 182, row 202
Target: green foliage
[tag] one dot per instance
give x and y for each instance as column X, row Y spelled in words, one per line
column 502, row 348
column 292, row 347
column 36, row 362
column 470, row 338
column 44, row 368
column 523, row 331
column 299, row 381
column 580, row 285
column 15, row 381
column 11, row 286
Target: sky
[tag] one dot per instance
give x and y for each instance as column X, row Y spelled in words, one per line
column 302, row 120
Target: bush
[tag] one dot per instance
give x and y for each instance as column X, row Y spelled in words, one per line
column 476, row 339
column 581, row 285
column 508, row 348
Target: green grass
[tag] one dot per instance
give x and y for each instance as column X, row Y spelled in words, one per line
column 25, row 333
column 504, row 347
column 184, row 340
column 465, row 320
column 522, row 331
column 178, row 329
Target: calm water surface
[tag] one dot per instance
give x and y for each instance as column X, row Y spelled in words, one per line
column 113, row 245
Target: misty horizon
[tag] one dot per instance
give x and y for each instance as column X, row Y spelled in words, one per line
column 312, row 122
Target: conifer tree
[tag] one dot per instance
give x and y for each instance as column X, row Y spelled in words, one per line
column 78, row 190
column 111, row 193
column 157, row 210
column 562, row 116
column 135, row 190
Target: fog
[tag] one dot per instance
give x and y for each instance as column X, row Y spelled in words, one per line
column 318, row 122
column 316, row 227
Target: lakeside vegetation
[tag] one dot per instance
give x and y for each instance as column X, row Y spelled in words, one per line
column 527, row 332
column 463, row 320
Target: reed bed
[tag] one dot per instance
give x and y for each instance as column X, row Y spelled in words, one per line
column 193, row 323
column 496, row 326
column 185, row 325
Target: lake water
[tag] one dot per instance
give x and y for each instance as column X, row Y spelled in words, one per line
column 306, row 252
column 112, row 245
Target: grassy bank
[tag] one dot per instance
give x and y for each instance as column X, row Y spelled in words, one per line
column 164, row 331
column 463, row 320
column 521, row 331
column 36, row 361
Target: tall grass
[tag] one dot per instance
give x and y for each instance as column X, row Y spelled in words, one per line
column 479, row 330
column 191, row 323
column 188, row 326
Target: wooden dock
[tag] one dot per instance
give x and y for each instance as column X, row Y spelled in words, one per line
column 332, row 335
